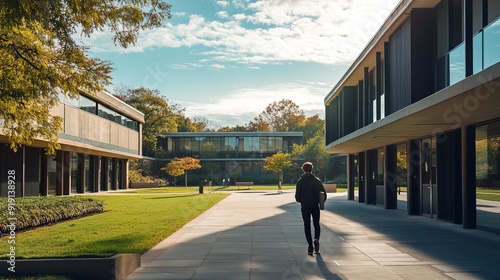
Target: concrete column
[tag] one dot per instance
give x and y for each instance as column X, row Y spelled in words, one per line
column 66, row 172
column 469, row 177
column 114, row 174
column 468, row 27
column 413, row 178
column 44, row 174
column 390, row 174
column 350, row 177
column 124, row 179
column 104, row 173
column 59, row 172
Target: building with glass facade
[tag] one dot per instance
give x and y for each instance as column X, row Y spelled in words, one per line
column 236, row 156
column 418, row 112
column 99, row 135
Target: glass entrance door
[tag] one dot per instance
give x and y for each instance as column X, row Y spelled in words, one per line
column 428, row 185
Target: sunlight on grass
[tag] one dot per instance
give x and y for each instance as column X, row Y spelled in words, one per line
column 129, row 224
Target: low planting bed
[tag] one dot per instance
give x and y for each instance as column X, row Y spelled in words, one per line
column 30, row 212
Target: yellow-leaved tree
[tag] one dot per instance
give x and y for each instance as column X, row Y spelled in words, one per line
column 43, row 58
column 174, row 169
column 277, row 163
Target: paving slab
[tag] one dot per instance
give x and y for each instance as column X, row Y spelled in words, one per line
column 259, row 235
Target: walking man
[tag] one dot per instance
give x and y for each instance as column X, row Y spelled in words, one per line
column 307, row 193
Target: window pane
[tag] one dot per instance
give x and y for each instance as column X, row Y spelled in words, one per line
column 492, row 44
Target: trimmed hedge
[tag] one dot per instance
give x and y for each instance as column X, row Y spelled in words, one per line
column 44, row 210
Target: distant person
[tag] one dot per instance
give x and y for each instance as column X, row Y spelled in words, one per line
column 307, row 193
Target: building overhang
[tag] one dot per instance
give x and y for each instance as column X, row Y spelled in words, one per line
column 473, row 100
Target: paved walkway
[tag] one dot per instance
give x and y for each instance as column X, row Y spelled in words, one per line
column 259, row 235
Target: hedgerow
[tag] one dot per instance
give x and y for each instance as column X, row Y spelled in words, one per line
column 29, row 212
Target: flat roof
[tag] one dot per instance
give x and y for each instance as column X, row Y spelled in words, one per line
column 233, row 134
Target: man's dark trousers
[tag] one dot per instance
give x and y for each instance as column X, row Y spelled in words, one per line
column 307, row 212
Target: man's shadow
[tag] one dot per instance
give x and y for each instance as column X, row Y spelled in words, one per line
column 324, row 269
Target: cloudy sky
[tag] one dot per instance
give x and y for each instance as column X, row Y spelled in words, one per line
column 227, row 60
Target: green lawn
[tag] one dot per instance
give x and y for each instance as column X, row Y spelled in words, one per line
column 206, row 189
column 488, row 194
column 129, row 224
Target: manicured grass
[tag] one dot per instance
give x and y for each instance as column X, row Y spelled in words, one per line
column 129, row 224
column 163, row 190
column 206, row 189
column 255, row 188
column 488, row 194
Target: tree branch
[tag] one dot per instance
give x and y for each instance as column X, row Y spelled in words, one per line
column 18, row 53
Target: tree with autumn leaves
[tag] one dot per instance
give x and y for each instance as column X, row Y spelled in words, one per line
column 180, row 166
column 42, row 57
column 277, row 163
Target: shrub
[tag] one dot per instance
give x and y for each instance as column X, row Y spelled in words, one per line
column 38, row 211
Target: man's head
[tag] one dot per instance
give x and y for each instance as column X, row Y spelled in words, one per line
column 307, row 167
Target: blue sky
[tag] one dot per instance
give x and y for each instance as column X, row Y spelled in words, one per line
column 227, row 60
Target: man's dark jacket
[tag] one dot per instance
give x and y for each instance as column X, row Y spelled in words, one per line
column 307, row 190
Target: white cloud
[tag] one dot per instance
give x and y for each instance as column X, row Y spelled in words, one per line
column 241, row 106
column 262, row 32
column 218, row 66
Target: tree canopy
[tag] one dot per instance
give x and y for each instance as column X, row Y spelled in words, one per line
column 284, row 115
column 174, row 169
column 160, row 116
column 41, row 59
column 277, row 163
column 314, row 151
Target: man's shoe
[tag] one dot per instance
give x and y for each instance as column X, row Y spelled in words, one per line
column 316, row 246
column 310, row 250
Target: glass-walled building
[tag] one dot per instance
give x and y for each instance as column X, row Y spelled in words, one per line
column 418, row 114
column 228, row 155
column 99, row 135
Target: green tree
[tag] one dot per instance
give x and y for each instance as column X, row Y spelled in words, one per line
column 41, row 58
column 284, row 115
column 277, row 163
column 160, row 116
column 313, row 126
column 314, row 151
column 174, row 169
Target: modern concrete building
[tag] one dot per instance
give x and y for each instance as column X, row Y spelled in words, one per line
column 419, row 111
column 228, row 155
column 99, row 135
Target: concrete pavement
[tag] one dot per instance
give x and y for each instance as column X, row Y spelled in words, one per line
column 259, row 235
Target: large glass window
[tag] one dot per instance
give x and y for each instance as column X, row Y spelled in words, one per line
column 401, row 175
column 88, row 104
column 488, row 174
column 492, row 44
column 231, row 143
column 457, row 64
column 251, row 144
column 477, row 55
